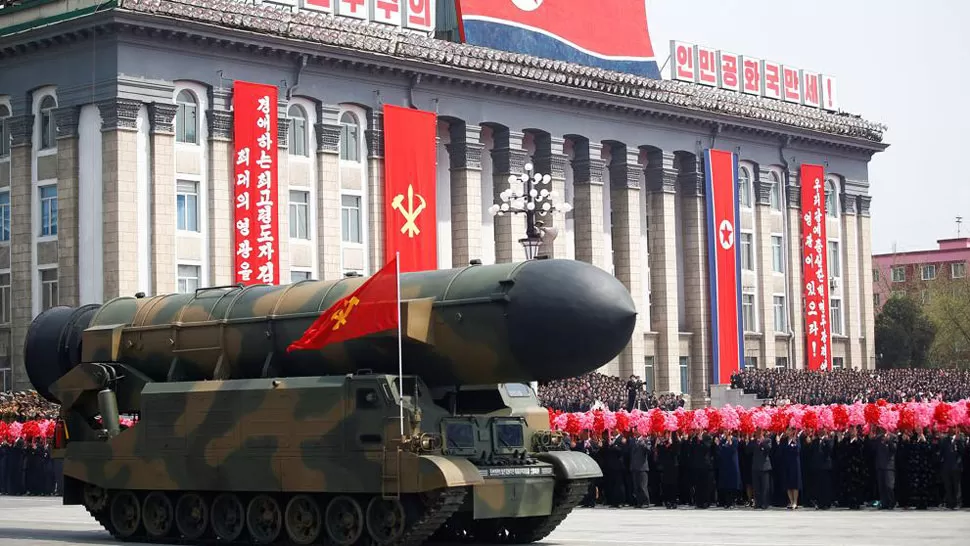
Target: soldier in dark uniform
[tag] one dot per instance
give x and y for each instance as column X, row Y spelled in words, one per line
column 952, row 447
column 760, row 449
column 639, row 448
column 668, row 458
column 885, row 448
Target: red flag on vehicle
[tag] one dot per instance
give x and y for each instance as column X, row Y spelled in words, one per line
column 373, row 307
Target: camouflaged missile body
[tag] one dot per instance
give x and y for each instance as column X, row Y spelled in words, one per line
column 239, row 442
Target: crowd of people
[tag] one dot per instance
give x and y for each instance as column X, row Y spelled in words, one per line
column 581, row 393
column 848, row 386
column 793, row 469
column 26, row 433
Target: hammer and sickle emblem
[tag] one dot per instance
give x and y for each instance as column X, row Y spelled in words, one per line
column 410, row 213
column 340, row 315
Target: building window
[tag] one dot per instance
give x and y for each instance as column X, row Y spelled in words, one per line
column 4, row 132
column 744, row 187
column 48, row 288
column 876, row 300
column 958, row 270
column 781, row 362
column 48, row 211
column 649, row 380
column 350, row 219
column 747, row 252
column 831, row 199
column 781, row 315
column 187, row 205
column 747, row 312
column 835, row 316
column 684, row 375
column 776, row 192
column 298, row 137
column 4, row 298
column 838, row 362
column 186, row 118
column 297, row 276
column 835, row 265
column 750, row 362
column 5, row 215
column 899, row 274
column 875, row 275
column 6, row 377
column 188, row 278
column 48, row 128
column 777, row 254
column 299, row 214
column 928, row 272
column 349, row 137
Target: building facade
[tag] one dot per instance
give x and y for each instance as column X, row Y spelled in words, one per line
column 915, row 273
column 117, row 176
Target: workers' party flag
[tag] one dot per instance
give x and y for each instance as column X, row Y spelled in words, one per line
column 372, row 308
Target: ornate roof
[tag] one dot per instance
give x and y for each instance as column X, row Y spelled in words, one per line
column 384, row 40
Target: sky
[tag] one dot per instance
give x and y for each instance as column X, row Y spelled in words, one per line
column 903, row 64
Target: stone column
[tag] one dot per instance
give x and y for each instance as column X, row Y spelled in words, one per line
column 588, row 203
column 120, row 181
column 625, row 173
column 508, row 158
column 661, row 180
column 328, row 192
column 550, row 159
column 283, row 196
column 766, row 276
column 375, row 188
column 164, row 277
column 21, row 242
column 850, row 279
column 465, row 156
column 692, row 184
column 868, row 351
column 221, row 190
column 67, row 205
column 795, row 265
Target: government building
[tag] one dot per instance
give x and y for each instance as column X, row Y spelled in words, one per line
column 116, row 170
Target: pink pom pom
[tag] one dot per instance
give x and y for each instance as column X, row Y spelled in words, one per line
column 559, row 423
column 888, row 419
column 670, row 421
column 762, row 418
column 797, row 414
column 924, row 414
column 857, row 414
column 609, row 419
column 585, row 420
column 700, row 420
column 729, row 418
column 825, row 418
column 958, row 414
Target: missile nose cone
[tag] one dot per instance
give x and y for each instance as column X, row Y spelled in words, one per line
column 567, row 317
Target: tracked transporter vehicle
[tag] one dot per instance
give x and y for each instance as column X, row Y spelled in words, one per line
column 238, row 441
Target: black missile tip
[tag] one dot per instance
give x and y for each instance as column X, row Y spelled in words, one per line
column 567, row 317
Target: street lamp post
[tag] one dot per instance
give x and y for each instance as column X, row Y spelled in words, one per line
column 529, row 193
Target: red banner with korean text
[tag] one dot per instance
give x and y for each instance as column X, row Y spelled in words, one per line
column 818, row 336
column 410, row 182
column 255, row 215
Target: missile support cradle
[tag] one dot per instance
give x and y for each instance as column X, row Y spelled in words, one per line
column 238, row 441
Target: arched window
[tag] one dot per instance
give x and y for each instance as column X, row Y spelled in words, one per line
column 744, row 187
column 831, row 199
column 298, row 136
column 48, row 130
column 4, row 133
column 187, row 118
column 776, row 191
column 349, row 137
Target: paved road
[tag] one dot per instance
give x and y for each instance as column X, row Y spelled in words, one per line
column 43, row 521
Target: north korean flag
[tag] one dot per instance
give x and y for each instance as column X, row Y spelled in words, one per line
column 727, row 328
column 609, row 34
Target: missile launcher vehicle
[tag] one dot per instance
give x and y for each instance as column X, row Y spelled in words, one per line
column 238, row 441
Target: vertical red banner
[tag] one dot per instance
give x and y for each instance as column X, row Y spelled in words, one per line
column 410, row 183
column 818, row 350
column 727, row 326
column 255, row 215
